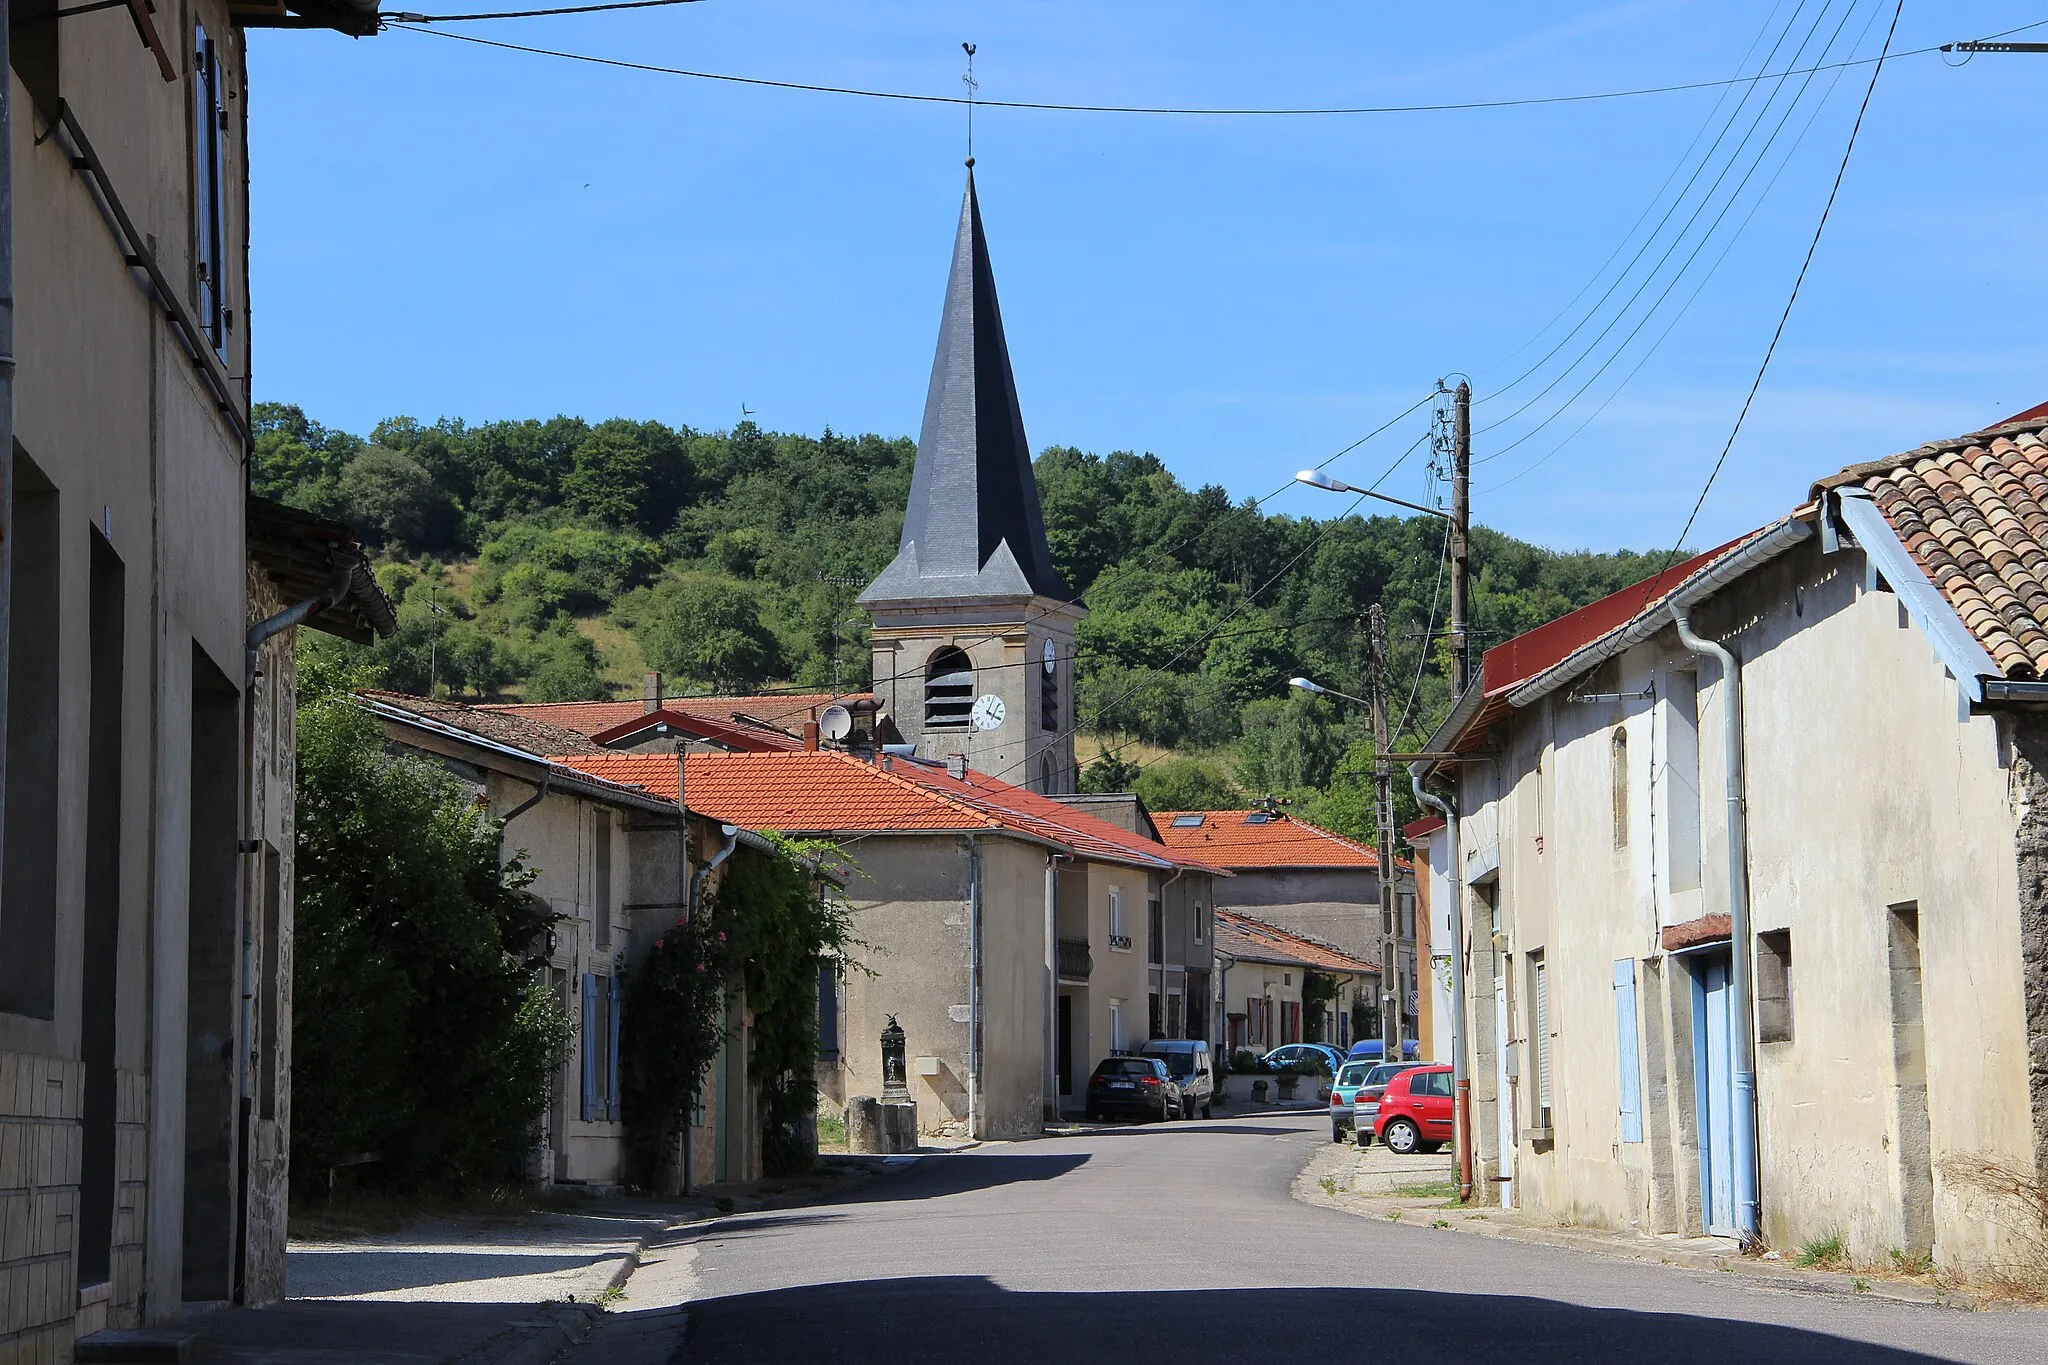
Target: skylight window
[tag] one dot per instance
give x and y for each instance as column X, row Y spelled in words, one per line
column 1258, row 817
column 1187, row 821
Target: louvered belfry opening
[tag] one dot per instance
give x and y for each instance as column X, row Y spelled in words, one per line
column 948, row 690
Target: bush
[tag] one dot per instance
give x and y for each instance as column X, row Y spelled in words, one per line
column 424, row 1029
column 1244, row 1061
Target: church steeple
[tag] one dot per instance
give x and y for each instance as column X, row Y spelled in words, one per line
column 973, row 627
column 973, row 527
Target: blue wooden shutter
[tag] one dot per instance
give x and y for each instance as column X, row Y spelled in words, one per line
column 1628, row 1049
column 589, row 1043
column 611, row 1082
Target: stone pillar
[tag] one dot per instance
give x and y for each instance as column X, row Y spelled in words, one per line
column 864, row 1125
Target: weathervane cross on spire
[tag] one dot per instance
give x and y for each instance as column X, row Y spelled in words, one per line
column 972, row 86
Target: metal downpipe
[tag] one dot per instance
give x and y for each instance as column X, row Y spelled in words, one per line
column 1461, row 1069
column 973, row 988
column 295, row 614
column 6, row 395
column 1742, row 1029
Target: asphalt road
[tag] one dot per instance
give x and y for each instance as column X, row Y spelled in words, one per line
column 1180, row 1242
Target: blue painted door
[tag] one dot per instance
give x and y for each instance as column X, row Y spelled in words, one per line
column 1714, row 1094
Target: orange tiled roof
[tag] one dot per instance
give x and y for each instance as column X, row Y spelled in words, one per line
column 1973, row 513
column 1241, row 936
column 828, row 792
column 1229, row 838
column 588, row 717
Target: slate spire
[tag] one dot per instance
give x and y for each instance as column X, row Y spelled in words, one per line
column 973, row 527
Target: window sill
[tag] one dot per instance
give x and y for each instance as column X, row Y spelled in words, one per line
column 1119, row 943
column 1541, row 1136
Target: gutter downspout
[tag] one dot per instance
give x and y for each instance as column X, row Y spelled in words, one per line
column 1747, row 1213
column 731, row 835
column 6, row 392
column 539, row 794
column 1461, row 1069
column 262, row 631
column 973, row 988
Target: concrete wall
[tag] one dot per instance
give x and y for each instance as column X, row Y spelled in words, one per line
column 112, row 414
column 1868, row 788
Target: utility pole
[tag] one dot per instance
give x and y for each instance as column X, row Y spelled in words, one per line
column 1383, row 775
column 1461, row 536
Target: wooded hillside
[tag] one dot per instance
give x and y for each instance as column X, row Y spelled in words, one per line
column 556, row 560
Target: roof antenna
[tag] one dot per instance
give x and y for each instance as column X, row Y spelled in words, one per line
column 972, row 85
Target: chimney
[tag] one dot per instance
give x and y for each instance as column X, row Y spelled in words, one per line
column 650, row 692
column 956, row 766
column 811, row 735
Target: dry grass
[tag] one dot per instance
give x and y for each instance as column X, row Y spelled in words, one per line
column 618, row 651
column 2016, row 1198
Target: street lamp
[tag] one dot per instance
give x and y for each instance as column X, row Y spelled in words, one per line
column 1316, row 478
column 1316, row 689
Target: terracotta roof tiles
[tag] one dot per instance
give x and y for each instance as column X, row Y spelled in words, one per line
column 1241, row 936
column 1231, row 838
column 1973, row 513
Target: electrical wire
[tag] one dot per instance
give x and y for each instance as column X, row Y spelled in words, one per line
column 1677, row 241
column 1665, row 294
column 410, row 18
column 1044, row 106
column 1811, row 247
column 1685, row 307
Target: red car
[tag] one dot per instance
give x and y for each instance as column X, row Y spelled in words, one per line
column 1415, row 1111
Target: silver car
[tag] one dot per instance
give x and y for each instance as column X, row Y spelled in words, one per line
column 1365, row 1101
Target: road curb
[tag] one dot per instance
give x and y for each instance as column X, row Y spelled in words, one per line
column 1433, row 1215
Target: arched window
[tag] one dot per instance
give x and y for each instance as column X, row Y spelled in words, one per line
column 1045, row 775
column 1618, row 752
column 948, row 690
column 1049, row 697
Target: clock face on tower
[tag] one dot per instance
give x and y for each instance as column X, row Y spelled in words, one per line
column 988, row 712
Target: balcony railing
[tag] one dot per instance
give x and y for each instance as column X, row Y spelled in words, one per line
column 1076, row 962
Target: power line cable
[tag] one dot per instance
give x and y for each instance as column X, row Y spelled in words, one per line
column 1678, row 240
column 1705, row 160
column 1785, row 316
column 1684, row 308
column 403, row 17
column 1045, row 106
column 1727, row 205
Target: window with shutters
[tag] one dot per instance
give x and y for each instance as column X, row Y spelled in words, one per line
column 209, row 180
column 948, row 690
column 600, row 1048
column 1155, row 952
column 828, row 1010
column 601, row 879
column 1628, row 1050
column 1539, row 1031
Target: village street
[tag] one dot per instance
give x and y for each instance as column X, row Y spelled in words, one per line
column 1181, row 1242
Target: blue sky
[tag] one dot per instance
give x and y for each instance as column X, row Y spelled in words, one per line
column 447, row 229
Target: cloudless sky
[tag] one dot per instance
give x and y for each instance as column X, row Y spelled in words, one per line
column 445, row 229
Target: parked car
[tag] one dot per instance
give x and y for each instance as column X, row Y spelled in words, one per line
column 1139, row 1086
column 1415, row 1110
column 1193, row 1069
column 1376, row 1049
column 1365, row 1098
column 1349, row 1077
column 1317, row 1057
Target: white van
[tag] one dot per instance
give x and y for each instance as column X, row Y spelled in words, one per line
column 1189, row 1063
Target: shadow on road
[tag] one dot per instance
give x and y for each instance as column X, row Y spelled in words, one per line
column 935, row 1177
column 1176, row 1129
column 970, row 1318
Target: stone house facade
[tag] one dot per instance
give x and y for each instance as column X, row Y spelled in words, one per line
column 1888, row 641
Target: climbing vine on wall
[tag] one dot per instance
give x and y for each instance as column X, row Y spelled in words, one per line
column 1317, row 991
column 768, row 929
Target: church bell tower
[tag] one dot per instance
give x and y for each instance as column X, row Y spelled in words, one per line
column 973, row 626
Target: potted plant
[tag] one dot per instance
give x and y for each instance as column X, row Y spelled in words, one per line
column 1290, row 1076
column 1259, row 1090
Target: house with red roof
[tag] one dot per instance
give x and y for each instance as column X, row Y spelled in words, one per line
column 1265, row 973
column 1007, row 933
column 764, row 723
column 617, row 863
column 1310, row 881
column 1753, row 860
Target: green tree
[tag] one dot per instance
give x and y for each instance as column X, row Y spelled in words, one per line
column 609, row 481
column 709, row 630
column 392, row 501
column 1187, row 784
column 562, row 665
column 423, row 1026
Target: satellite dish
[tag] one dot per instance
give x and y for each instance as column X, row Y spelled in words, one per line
column 835, row 722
